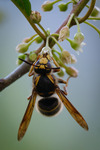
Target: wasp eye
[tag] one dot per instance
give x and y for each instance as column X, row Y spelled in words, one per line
column 49, row 106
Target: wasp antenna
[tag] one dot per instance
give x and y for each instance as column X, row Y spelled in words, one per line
column 56, row 68
column 25, row 61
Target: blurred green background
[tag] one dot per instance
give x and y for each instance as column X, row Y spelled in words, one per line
column 55, row 133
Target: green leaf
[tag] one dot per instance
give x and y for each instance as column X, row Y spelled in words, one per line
column 23, row 5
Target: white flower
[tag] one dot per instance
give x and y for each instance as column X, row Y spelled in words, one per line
column 79, row 37
column 76, row 46
column 64, row 33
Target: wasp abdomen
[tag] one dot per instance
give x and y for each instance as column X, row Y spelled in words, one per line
column 45, row 85
column 49, row 106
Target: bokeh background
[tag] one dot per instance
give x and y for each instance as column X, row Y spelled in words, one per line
column 54, row 133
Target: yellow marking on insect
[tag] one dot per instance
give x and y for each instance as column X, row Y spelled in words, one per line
column 51, row 78
column 43, row 61
column 42, row 67
column 48, row 57
column 37, row 80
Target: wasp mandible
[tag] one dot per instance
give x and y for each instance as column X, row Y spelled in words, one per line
column 45, row 84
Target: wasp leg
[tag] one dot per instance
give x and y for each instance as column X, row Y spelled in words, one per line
column 29, row 97
column 66, row 84
column 65, row 87
column 27, row 116
column 71, row 109
column 56, row 64
column 61, row 81
column 31, row 72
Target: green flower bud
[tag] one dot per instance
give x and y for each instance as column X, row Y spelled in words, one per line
column 28, row 39
column 64, row 33
column 18, row 62
column 63, row 6
column 48, row 31
column 76, row 46
column 60, row 73
column 38, row 40
column 35, row 16
column 79, row 37
column 72, row 71
column 32, row 56
column 47, row 6
column 22, row 48
column 95, row 12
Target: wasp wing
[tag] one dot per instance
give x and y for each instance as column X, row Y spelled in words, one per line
column 27, row 117
column 72, row 110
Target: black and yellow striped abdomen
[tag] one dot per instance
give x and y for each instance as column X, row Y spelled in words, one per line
column 45, row 85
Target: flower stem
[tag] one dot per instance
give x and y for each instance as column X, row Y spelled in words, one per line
column 29, row 20
column 70, row 19
column 43, row 29
column 78, row 25
column 93, row 27
column 94, row 18
column 56, row 1
column 57, row 43
column 56, row 52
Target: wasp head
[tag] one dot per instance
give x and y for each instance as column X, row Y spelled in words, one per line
column 43, row 65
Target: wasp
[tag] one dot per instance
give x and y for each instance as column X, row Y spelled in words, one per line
column 45, row 84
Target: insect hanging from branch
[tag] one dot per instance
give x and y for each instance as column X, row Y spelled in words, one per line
column 45, row 84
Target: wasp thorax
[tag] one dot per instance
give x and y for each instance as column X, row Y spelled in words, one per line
column 49, row 106
column 43, row 66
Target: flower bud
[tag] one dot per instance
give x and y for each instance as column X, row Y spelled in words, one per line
column 47, row 6
column 72, row 71
column 32, row 56
column 60, row 73
column 76, row 46
column 28, row 39
column 79, row 37
column 35, row 16
column 46, row 49
column 18, row 62
column 65, row 57
column 22, row 48
column 64, row 33
column 95, row 12
column 63, row 6
column 38, row 40
column 48, row 31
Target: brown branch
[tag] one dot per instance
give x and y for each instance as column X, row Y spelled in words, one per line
column 88, row 12
column 24, row 68
column 13, row 76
